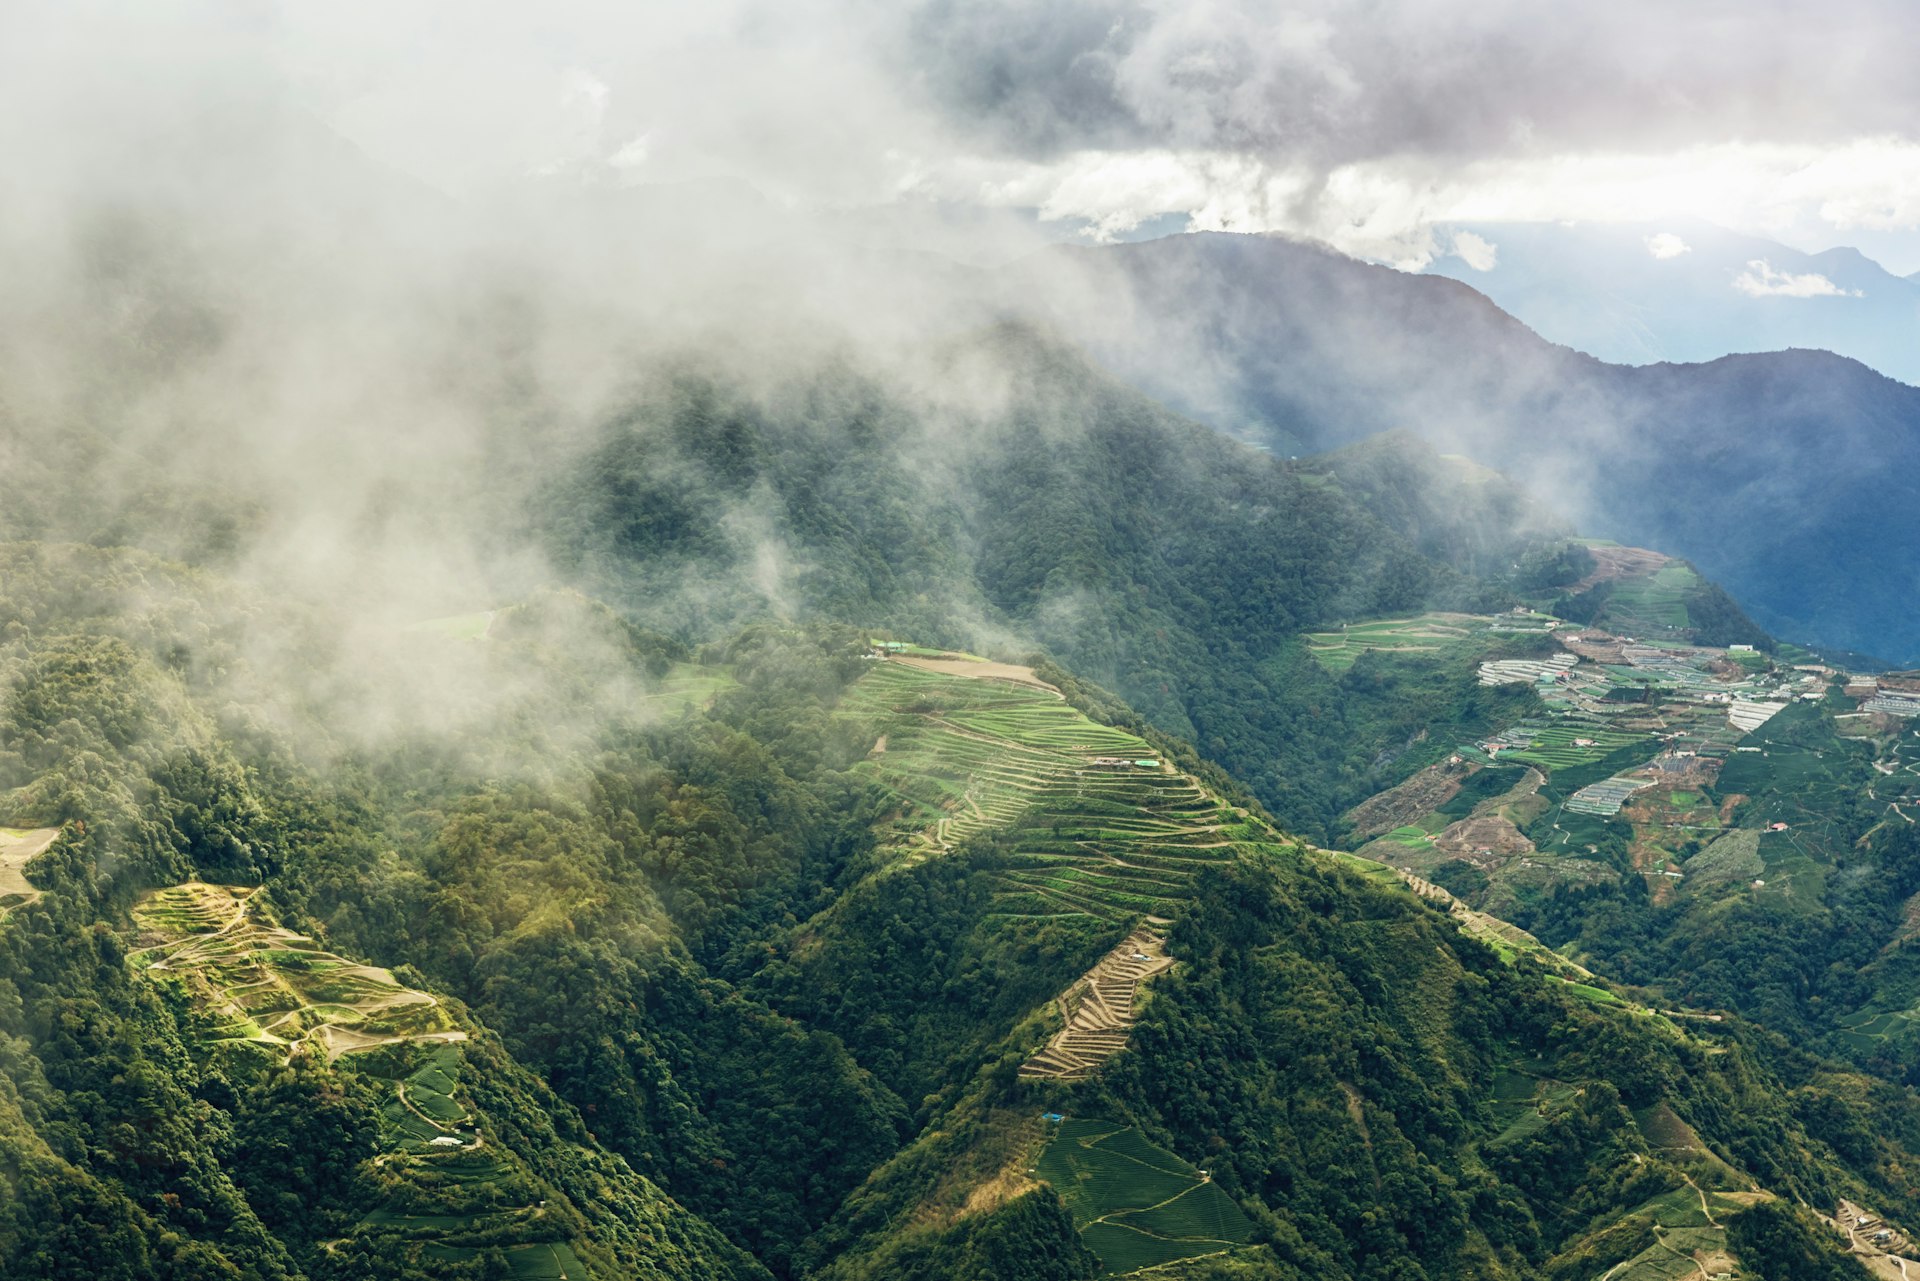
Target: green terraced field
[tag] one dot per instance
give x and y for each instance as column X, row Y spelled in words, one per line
column 1554, row 747
column 268, row 989
column 448, row 1187
column 457, row 626
column 1137, row 1205
column 1436, row 635
column 1651, row 604
column 687, row 686
column 1086, row 827
column 268, row 993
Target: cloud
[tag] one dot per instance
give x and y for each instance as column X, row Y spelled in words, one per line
column 1760, row 280
column 1665, row 244
column 1477, row 252
column 1358, row 125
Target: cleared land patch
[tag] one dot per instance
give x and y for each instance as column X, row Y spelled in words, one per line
column 1611, row 561
column 270, row 989
column 18, row 845
column 1099, row 1009
column 687, row 686
column 1137, row 1205
column 1440, row 635
column 473, row 626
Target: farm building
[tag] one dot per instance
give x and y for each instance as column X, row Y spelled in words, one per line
column 1606, row 797
column 1893, row 705
column 1747, row 716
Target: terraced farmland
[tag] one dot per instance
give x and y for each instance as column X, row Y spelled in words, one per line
column 449, row 1192
column 1137, row 1205
column 1099, row 1010
column 1092, row 822
column 272, row 990
column 1438, row 635
column 1652, row 604
column 446, row 1189
column 1566, row 744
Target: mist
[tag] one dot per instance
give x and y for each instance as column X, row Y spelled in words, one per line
column 341, row 305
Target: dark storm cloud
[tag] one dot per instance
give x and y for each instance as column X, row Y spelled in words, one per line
column 1345, row 82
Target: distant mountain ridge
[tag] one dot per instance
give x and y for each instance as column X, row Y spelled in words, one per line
column 1790, row 477
column 1641, row 293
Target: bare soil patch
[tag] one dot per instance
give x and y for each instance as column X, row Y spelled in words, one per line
column 1411, row 800
column 17, row 847
column 1485, row 841
column 1611, row 563
column 977, row 671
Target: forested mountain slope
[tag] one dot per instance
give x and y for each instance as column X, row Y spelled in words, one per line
column 771, row 929
column 1787, row 477
column 1050, row 507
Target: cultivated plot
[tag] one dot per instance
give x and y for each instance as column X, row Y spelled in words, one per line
column 269, row 989
column 1138, row 1205
column 1091, row 820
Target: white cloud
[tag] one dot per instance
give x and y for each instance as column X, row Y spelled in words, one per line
column 1665, row 245
column 1760, row 280
column 1477, row 252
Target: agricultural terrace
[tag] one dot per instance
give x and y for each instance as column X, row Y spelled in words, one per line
column 1093, row 823
column 447, row 1188
column 1098, row 1011
column 687, row 686
column 1651, row 604
column 1564, row 744
column 18, row 845
column 1679, row 1232
column 1438, row 635
column 1136, row 1205
column 272, row 990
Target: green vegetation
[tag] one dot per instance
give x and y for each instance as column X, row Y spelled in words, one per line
column 744, row 992
column 1432, row 635
column 1135, row 1204
column 1082, row 826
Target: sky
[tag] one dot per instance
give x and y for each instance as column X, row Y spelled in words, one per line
column 1355, row 123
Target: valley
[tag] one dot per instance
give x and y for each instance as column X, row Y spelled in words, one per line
column 832, row 642
column 996, row 758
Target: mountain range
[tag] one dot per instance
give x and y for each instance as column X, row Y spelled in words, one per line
column 1686, row 292
column 1786, row 475
column 1198, row 759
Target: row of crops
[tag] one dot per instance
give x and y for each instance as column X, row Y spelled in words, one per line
column 1090, row 821
column 1137, row 1205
